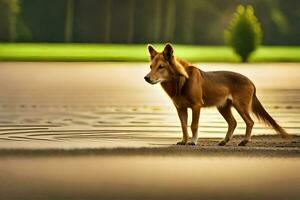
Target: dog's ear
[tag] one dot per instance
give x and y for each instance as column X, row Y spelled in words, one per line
column 168, row 52
column 152, row 51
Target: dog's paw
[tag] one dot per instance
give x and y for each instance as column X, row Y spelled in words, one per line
column 222, row 143
column 243, row 143
column 181, row 143
column 191, row 143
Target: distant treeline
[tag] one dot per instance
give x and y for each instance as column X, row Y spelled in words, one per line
column 142, row 21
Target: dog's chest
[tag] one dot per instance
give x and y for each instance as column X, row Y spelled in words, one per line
column 181, row 101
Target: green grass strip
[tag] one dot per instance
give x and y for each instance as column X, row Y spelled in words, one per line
column 137, row 52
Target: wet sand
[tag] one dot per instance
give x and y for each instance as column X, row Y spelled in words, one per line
column 265, row 169
column 151, row 173
column 98, row 131
column 109, row 105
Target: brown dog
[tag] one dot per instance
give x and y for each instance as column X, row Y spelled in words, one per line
column 190, row 87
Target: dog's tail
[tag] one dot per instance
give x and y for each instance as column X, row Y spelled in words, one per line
column 262, row 115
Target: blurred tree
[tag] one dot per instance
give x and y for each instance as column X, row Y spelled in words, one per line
column 157, row 19
column 291, row 12
column 8, row 15
column 108, row 21
column 89, row 24
column 141, row 21
column 131, row 21
column 244, row 33
column 184, row 21
column 188, row 26
column 69, row 19
column 208, row 31
column 169, row 20
column 122, row 21
column 23, row 32
column 273, row 21
column 44, row 19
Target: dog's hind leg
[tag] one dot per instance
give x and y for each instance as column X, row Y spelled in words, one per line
column 194, row 126
column 243, row 110
column 227, row 114
column 183, row 115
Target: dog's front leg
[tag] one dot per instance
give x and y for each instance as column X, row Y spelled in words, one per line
column 194, row 126
column 183, row 115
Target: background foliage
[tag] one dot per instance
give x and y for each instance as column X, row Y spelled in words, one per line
column 244, row 32
column 143, row 21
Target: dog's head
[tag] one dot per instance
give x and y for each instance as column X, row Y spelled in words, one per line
column 163, row 66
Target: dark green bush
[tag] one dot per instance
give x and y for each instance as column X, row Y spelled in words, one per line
column 244, row 33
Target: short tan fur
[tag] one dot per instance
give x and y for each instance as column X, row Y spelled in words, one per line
column 190, row 87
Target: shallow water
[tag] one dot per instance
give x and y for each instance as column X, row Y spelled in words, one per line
column 70, row 105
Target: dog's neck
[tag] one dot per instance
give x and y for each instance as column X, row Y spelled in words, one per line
column 174, row 86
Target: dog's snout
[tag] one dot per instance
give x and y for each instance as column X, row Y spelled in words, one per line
column 147, row 78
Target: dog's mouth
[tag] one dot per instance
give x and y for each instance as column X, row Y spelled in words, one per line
column 153, row 82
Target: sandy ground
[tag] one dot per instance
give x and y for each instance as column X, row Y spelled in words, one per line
column 79, row 134
column 263, row 145
column 266, row 169
column 109, row 105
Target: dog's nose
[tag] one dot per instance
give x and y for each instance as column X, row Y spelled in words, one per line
column 147, row 78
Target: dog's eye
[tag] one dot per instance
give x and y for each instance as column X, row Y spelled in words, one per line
column 160, row 67
column 150, row 66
